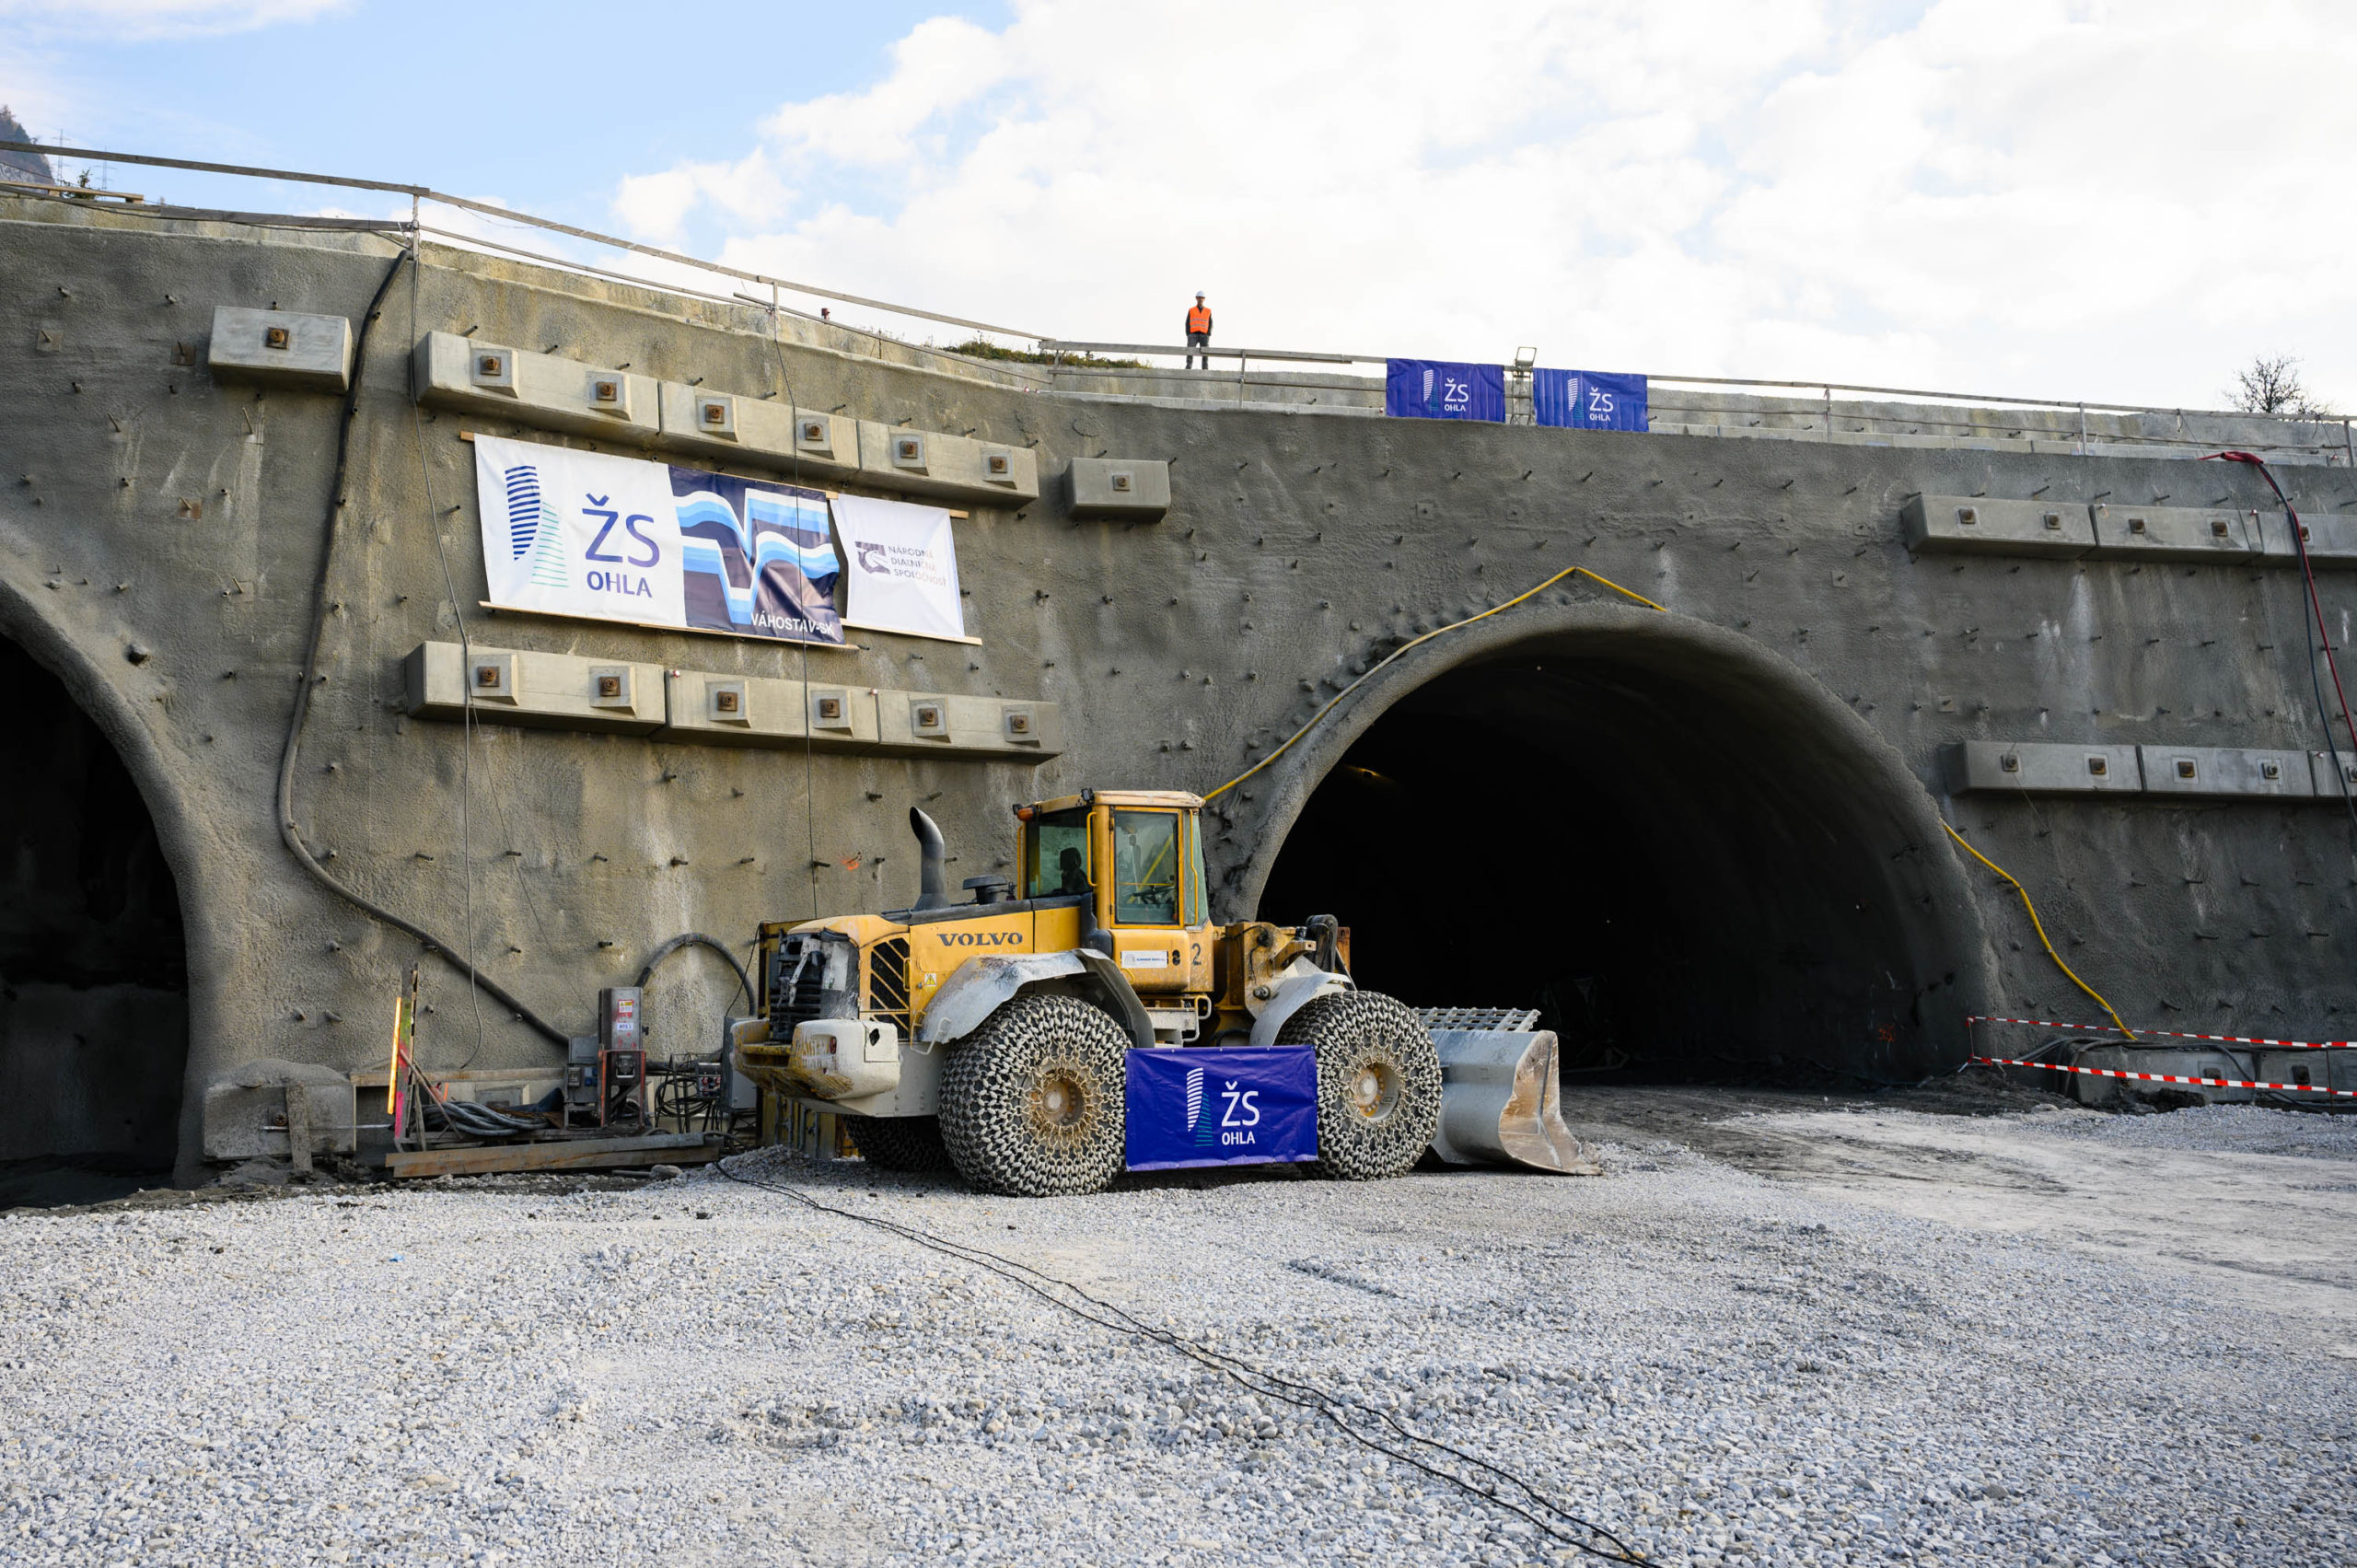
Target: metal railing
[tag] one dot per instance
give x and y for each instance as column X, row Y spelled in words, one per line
column 1051, row 350
column 1059, row 347
column 417, row 193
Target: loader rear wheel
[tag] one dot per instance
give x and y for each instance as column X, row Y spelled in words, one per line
column 899, row 1143
column 1379, row 1083
column 1031, row 1102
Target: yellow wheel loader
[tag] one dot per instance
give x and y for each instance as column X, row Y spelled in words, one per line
column 1086, row 1017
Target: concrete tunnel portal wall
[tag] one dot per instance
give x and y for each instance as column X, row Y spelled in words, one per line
column 1708, row 840
column 1600, row 813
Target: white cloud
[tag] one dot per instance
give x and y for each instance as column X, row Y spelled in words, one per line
column 2041, row 197
column 118, row 20
column 656, row 206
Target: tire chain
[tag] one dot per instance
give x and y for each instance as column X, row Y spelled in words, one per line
column 1351, row 1029
column 899, row 1143
column 992, row 1125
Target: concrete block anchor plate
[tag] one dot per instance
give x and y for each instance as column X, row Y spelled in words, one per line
column 1118, row 489
column 2039, row 767
column 2332, row 541
column 2220, row 771
column 281, row 348
column 2214, row 534
column 1973, row 525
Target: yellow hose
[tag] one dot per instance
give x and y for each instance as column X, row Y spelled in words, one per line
column 1305, row 729
column 2036, row 925
column 2039, row 927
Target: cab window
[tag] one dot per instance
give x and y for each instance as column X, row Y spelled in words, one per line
column 1146, row 867
column 1196, row 889
column 1055, row 858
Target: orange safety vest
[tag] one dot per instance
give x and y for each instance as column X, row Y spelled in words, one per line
column 1199, row 319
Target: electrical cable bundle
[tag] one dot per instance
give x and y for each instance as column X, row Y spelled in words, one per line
column 689, row 1089
column 469, row 1120
column 691, row 1094
column 456, row 956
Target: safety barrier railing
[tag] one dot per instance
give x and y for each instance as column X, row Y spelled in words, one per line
column 1051, row 364
column 421, row 194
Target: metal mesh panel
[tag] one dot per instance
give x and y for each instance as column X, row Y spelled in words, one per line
column 887, row 981
column 1478, row 1017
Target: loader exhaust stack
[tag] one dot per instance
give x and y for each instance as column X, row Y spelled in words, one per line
column 932, row 882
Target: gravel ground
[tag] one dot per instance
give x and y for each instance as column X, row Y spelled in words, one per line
column 2241, row 1203
column 2216, row 1128
column 1724, row 1369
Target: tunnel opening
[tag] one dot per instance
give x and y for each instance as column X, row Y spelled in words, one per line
column 93, row 968
column 1691, row 874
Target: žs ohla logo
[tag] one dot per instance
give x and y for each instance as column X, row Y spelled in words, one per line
column 1233, row 1127
column 533, row 528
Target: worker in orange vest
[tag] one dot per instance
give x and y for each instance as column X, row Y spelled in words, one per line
column 1198, row 330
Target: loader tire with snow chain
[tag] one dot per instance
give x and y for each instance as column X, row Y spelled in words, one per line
column 1379, row 1083
column 1031, row 1102
column 899, row 1143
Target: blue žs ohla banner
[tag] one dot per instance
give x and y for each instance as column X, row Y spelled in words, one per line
column 1440, row 388
column 1588, row 400
column 623, row 538
column 1208, row 1105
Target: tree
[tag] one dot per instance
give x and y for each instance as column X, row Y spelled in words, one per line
column 2271, row 385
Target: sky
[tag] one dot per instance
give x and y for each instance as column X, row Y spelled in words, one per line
column 2029, row 198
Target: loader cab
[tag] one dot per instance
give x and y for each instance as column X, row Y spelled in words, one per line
column 1139, row 854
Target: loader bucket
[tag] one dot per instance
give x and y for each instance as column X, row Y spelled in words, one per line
column 1500, row 1102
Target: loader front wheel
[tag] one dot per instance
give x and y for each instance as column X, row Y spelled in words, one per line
column 1031, row 1102
column 1379, row 1083
column 899, row 1143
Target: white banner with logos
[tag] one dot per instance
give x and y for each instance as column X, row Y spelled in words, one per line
column 901, row 567
column 575, row 533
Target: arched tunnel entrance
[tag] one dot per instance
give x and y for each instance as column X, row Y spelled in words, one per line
column 1694, row 869
column 93, row 970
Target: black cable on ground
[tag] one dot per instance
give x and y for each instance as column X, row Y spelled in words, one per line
column 1532, row 1504
column 287, row 831
column 697, row 939
column 2309, row 576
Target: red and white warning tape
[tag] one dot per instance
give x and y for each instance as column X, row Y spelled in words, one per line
column 2167, row 1077
column 2172, row 1034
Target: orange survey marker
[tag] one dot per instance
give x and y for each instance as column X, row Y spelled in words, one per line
column 405, row 1044
column 403, row 1082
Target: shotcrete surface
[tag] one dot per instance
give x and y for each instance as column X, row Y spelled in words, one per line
column 1725, row 1365
column 1764, row 757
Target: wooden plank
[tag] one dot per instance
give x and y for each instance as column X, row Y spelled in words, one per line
column 578, row 1154
column 469, row 435
column 664, row 626
column 903, row 632
column 374, row 1077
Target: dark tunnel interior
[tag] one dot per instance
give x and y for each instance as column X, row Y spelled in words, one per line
column 1692, row 881
column 93, row 969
